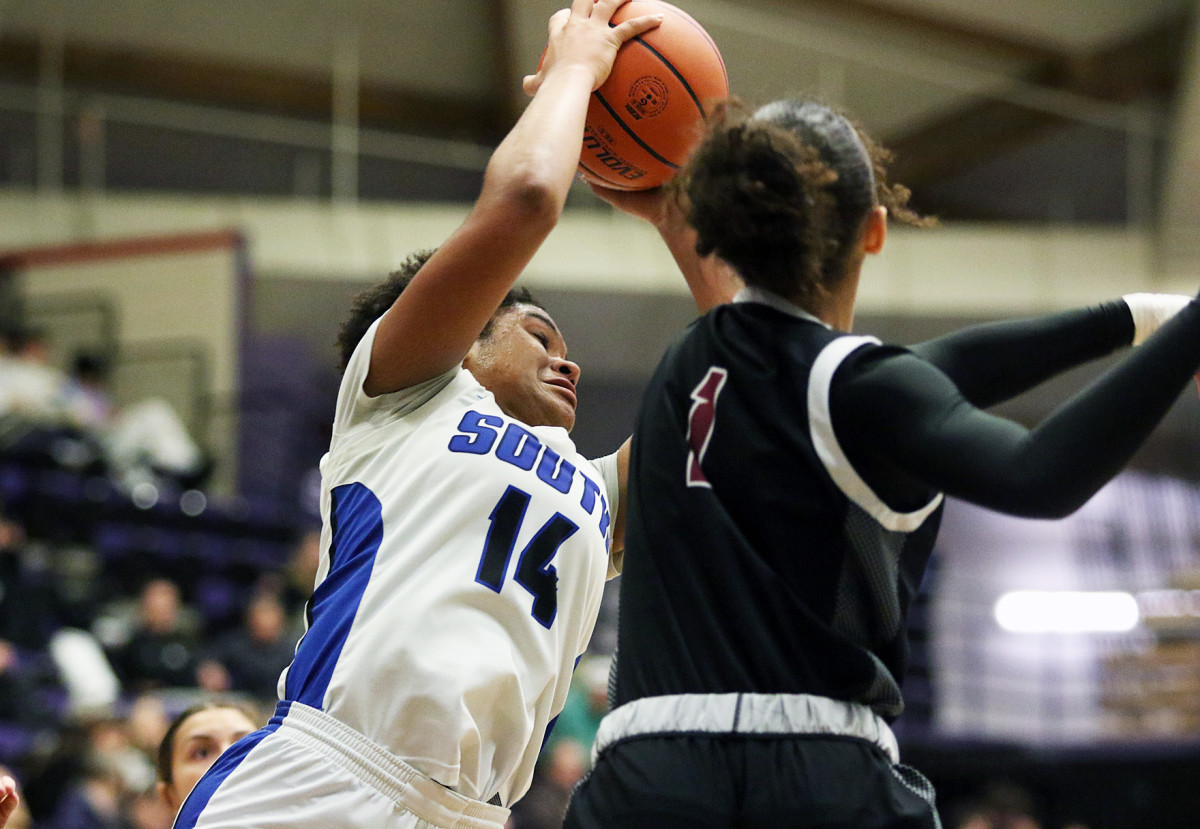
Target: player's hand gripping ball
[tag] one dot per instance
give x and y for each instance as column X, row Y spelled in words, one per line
column 644, row 121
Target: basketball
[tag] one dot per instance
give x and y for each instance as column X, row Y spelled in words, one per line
column 645, row 119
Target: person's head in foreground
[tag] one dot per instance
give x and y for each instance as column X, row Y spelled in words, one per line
column 193, row 742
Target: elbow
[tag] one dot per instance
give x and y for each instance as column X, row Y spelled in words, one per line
column 1049, row 502
column 530, row 200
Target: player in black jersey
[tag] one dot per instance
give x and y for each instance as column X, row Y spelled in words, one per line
column 786, row 485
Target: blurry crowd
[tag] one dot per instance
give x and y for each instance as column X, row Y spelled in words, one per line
column 85, row 706
column 68, row 415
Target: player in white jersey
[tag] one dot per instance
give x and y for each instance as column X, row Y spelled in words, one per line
column 465, row 541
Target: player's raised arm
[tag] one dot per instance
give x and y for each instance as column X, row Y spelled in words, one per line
column 439, row 315
column 996, row 361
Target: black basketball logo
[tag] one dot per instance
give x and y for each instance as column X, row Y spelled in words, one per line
column 647, row 97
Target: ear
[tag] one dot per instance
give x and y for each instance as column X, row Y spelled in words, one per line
column 472, row 356
column 875, row 229
column 166, row 795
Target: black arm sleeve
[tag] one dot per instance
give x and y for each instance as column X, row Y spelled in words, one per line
column 896, row 411
column 993, row 362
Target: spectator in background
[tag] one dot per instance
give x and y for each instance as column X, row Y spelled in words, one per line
column 12, row 534
column 96, row 801
column 86, row 396
column 560, row 767
column 163, row 651
column 301, row 573
column 587, row 703
column 251, row 658
column 145, row 440
column 30, row 389
column 1002, row 806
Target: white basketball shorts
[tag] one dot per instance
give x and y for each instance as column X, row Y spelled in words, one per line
column 306, row 770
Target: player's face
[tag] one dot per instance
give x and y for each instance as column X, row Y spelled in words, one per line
column 524, row 364
column 199, row 741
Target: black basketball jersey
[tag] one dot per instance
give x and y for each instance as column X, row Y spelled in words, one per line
column 756, row 558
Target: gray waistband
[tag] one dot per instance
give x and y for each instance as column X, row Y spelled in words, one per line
column 744, row 714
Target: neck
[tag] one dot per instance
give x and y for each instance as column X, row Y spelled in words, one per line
column 837, row 308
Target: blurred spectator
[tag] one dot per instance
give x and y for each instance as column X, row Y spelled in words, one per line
column 72, row 419
column 12, row 534
column 1003, row 806
column 147, row 441
column 147, row 724
column 301, row 575
column 85, row 395
column 111, row 746
column 560, row 767
column 251, row 658
column 586, row 705
column 20, row 703
column 163, row 651
column 95, row 802
column 30, row 389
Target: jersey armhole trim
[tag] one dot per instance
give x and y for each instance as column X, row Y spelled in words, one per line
column 825, row 441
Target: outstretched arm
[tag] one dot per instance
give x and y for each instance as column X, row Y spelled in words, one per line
column 440, row 314
column 897, row 413
column 993, row 362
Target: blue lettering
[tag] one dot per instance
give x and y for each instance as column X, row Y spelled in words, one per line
column 565, row 474
column 481, row 435
column 604, row 519
column 518, row 447
column 590, row 491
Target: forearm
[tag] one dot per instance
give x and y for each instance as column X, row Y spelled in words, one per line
column 993, row 362
column 711, row 280
column 534, row 165
column 900, row 416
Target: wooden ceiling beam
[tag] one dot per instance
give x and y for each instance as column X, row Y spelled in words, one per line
column 934, row 27
column 1145, row 66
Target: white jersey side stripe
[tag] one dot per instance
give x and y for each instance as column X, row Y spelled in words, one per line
column 830, row 452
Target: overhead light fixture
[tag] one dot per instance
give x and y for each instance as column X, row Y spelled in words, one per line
column 1067, row 611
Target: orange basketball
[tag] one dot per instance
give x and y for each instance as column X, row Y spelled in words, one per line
column 645, row 119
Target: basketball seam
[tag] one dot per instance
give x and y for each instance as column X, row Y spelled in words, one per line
column 687, row 86
column 631, row 133
column 607, row 182
column 688, row 19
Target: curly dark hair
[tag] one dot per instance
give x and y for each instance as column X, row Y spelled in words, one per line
column 781, row 194
column 373, row 302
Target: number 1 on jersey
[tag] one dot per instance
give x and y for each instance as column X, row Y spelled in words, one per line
column 534, row 571
column 701, row 420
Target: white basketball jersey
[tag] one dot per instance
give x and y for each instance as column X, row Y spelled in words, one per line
column 463, row 560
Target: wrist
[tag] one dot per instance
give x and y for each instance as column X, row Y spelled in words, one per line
column 1150, row 311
